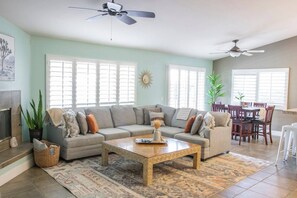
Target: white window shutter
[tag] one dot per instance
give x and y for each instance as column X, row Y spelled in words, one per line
column 245, row 84
column 107, row 84
column 126, row 84
column 86, row 84
column 60, row 84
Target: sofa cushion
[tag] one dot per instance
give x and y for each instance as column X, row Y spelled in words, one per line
column 114, row 133
column 195, row 139
column 123, row 115
column 170, row 131
column 197, row 123
column 221, row 118
column 83, row 140
column 168, row 113
column 102, row 115
column 82, row 122
column 146, row 111
column 138, row 129
column 181, row 123
column 159, row 116
column 72, row 127
column 92, row 123
column 139, row 115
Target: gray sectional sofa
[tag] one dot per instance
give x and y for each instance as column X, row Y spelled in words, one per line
column 125, row 121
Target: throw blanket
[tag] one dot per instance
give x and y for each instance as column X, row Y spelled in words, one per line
column 54, row 116
column 183, row 113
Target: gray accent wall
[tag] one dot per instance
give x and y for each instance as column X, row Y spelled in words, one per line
column 282, row 54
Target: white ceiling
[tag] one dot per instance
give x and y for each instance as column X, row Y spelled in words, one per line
column 186, row 27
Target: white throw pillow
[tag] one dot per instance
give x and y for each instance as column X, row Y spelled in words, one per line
column 38, row 145
column 72, row 127
column 209, row 120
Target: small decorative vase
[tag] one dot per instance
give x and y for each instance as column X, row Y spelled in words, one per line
column 157, row 135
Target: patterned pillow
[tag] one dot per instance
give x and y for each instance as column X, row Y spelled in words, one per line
column 189, row 124
column 72, row 127
column 146, row 112
column 157, row 116
column 209, row 120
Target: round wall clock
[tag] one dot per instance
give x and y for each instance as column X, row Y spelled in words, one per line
column 145, row 79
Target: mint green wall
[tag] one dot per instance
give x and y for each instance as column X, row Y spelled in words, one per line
column 155, row 62
column 23, row 65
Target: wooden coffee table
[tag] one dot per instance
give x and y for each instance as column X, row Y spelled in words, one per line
column 150, row 154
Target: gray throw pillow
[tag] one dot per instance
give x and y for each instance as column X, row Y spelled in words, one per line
column 38, row 145
column 196, row 125
column 139, row 115
column 72, row 128
column 82, row 123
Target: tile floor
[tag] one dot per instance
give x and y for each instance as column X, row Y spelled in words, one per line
column 270, row 182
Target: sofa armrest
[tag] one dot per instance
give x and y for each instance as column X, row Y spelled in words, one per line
column 220, row 137
column 56, row 134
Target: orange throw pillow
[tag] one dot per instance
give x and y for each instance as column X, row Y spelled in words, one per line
column 92, row 123
column 189, row 124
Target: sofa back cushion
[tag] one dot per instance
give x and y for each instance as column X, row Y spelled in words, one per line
column 181, row 123
column 221, row 118
column 168, row 113
column 102, row 115
column 139, row 115
column 146, row 112
column 123, row 115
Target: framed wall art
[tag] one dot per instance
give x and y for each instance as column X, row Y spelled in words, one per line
column 7, row 58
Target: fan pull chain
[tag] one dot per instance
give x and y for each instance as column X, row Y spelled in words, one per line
column 110, row 28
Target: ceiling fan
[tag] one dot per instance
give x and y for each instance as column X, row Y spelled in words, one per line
column 236, row 51
column 115, row 9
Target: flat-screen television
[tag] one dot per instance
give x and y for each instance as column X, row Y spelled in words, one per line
column 5, row 124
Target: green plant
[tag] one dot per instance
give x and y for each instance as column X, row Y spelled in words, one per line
column 34, row 121
column 240, row 96
column 216, row 88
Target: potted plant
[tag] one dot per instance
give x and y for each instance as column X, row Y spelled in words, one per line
column 240, row 96
column 216, row 88
column 34, row 120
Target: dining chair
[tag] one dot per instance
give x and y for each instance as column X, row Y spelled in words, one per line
column 260, row 104
column 218, row 107
column 241, row 126
column 263, row 127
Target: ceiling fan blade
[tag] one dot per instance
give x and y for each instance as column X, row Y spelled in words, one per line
column 93, row 17
column 126, row 19
column 247, row 54
column 137, row 13
column 255, row 51
column 218, row 52
column 73, row 7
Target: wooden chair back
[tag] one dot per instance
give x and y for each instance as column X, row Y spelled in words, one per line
column 218, row 107
column 269, row 114
column 236, row 112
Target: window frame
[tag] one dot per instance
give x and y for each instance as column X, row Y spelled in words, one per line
column 74, row 61
column 257, row 73
column 188, row 69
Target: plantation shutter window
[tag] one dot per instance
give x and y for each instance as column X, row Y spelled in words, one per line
column 60, row 84
column 76, row 83
column 186, row 87
column 108, row 84
column 262, row 85
column 127, row 84
column 86, row 84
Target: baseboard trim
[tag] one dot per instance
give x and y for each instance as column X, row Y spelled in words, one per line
column 15, row 169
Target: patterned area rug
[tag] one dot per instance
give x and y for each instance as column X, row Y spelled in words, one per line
column 123, row 178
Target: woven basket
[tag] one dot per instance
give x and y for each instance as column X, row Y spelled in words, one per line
column 48, row 157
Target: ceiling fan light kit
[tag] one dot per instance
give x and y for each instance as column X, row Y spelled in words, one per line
column 115, row 9
column 236, row 51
